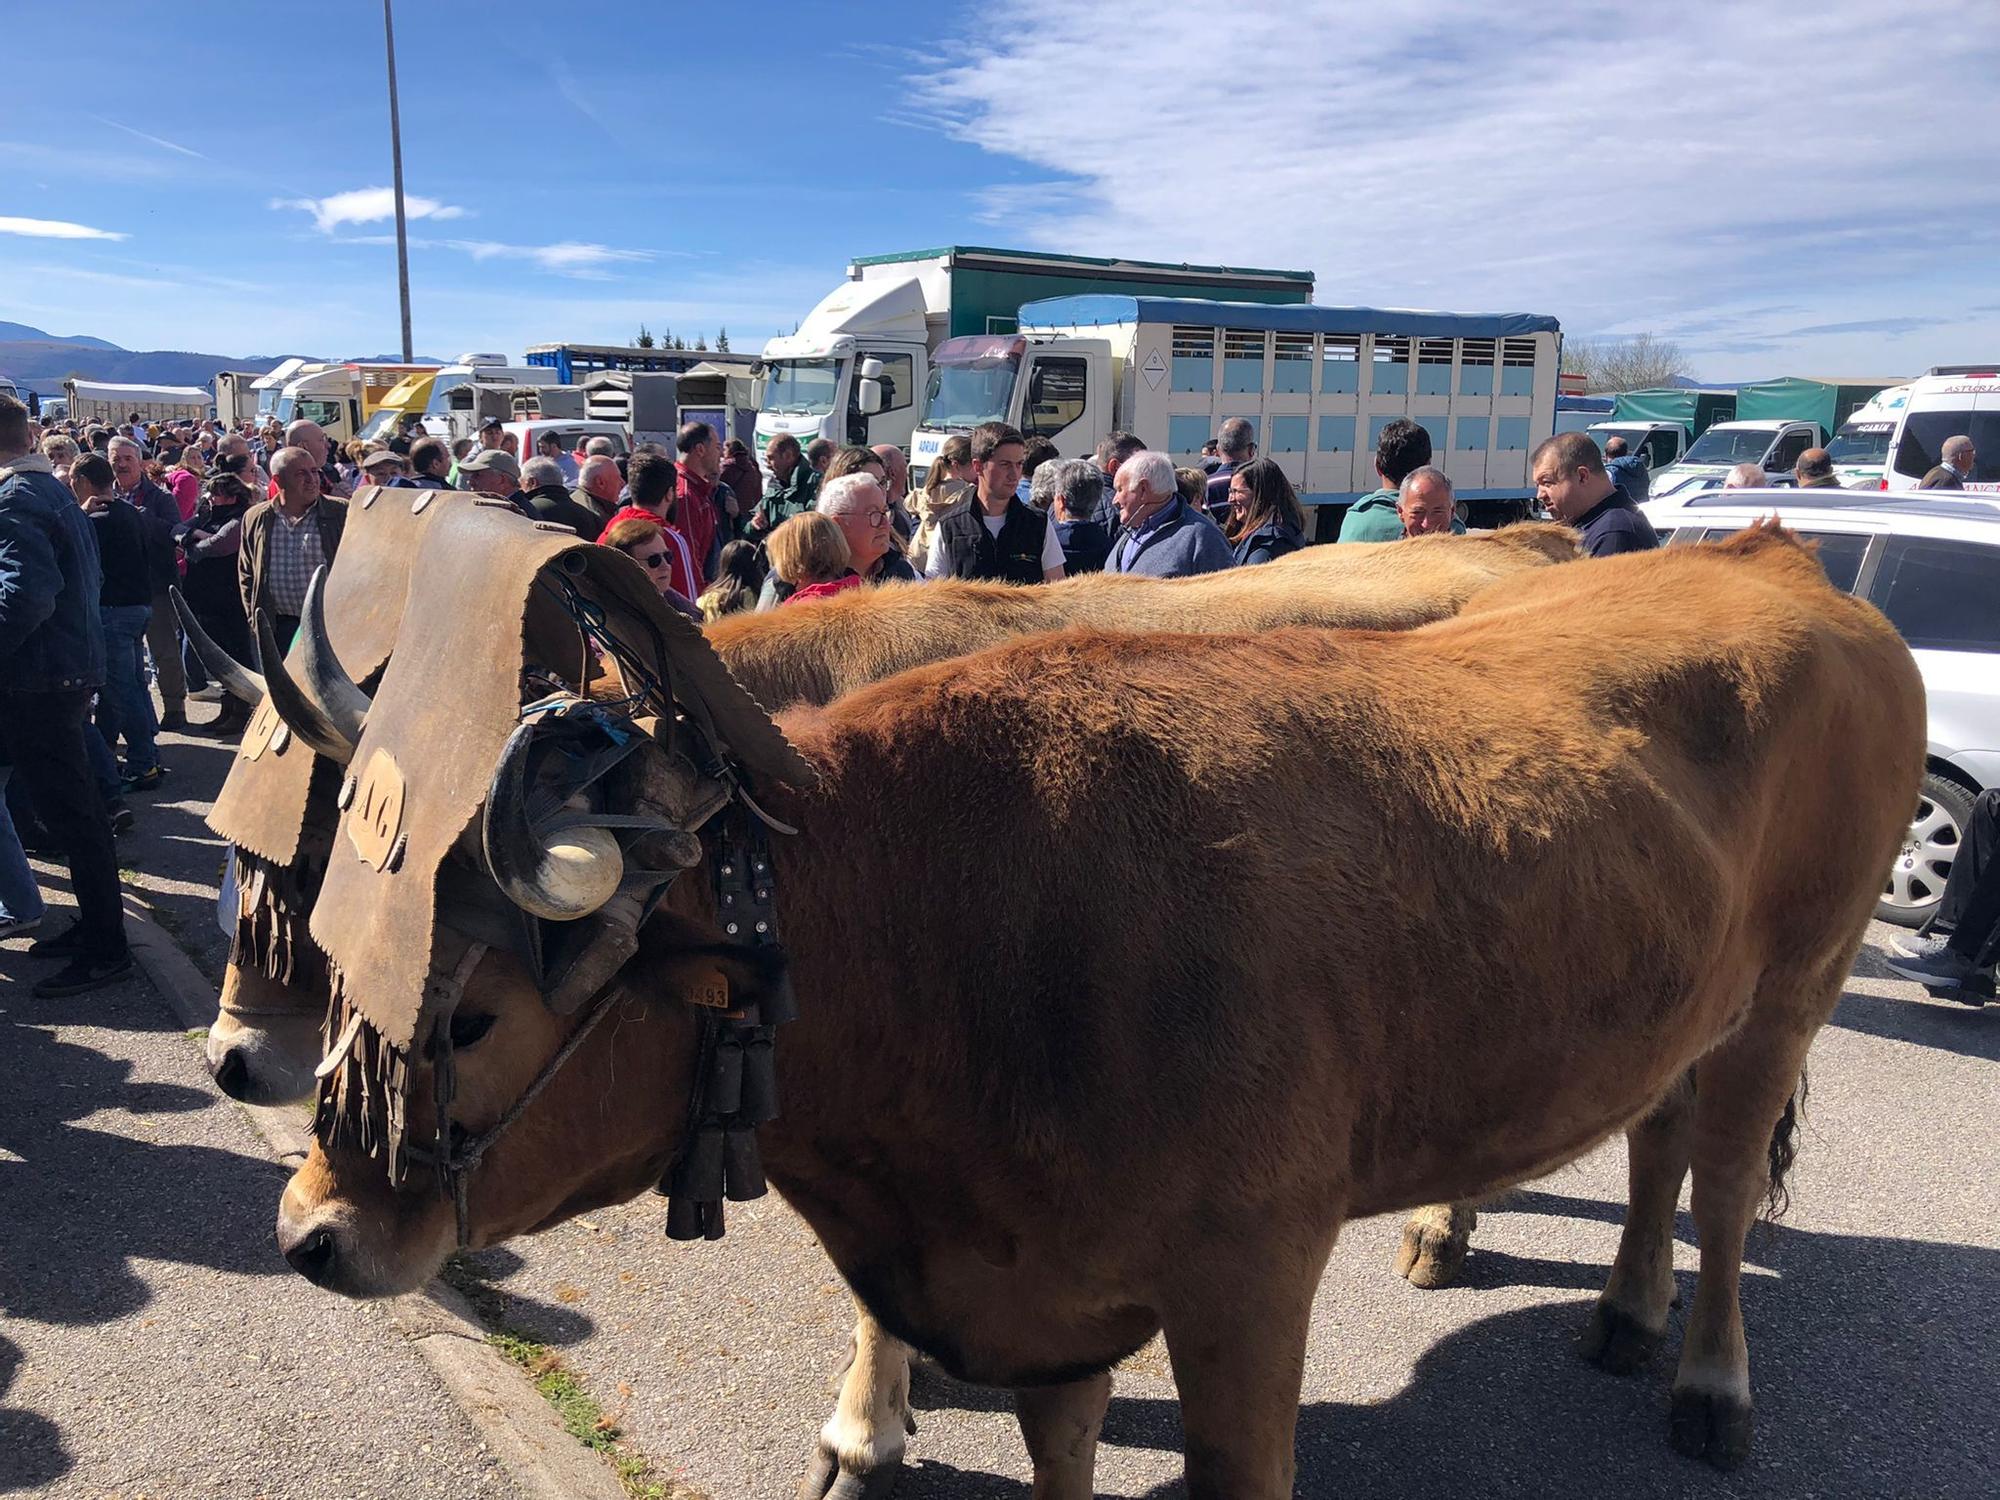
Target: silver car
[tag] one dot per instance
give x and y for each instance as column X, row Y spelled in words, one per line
column 1932, row 566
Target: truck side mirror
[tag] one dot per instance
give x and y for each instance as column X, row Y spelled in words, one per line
column 868, row 392
column 871, row 369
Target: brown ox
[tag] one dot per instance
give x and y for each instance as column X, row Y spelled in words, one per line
column 267, row 1036
column 1033, row 1147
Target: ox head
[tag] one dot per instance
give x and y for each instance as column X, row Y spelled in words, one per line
column 265, row 1040
column 567, row 1052
column 503, row 1048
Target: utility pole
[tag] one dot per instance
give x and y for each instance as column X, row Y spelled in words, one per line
column 396, row 154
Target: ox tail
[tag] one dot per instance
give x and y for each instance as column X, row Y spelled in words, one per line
column 1784, row 1150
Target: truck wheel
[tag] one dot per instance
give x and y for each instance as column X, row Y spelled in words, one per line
column 1916, row 880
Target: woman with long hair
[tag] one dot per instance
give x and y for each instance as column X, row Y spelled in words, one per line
column 739, row 574
column 184, row 480
column 946, row 483
column 1265, row 521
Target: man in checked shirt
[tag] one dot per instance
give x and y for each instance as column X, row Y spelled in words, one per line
column 285, row 540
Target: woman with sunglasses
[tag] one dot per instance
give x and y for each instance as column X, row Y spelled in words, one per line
column 661, row 551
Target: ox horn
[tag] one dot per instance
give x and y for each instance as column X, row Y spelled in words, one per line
column 560, row 877
column 324, row 708
column 241, row 682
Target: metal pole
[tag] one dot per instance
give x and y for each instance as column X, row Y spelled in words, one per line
column 396, row 153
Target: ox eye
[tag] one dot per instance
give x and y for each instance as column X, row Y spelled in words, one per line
column 469, row 1031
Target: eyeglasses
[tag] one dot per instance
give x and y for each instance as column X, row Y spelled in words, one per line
column 874, row 517
column 651, row 559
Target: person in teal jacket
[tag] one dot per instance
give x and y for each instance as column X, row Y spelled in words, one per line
column 1403, row 448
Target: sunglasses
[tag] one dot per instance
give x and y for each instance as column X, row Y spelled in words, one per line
column 651, row 559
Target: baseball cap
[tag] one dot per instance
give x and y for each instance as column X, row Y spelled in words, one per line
column 490, row 424
column 381, row 457
column 491, row 458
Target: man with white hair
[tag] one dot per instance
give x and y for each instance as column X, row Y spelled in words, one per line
column 1161, row 535
column 1955, row 465
column 598, row 486
column 1427, row 502
column 1745, row 477
column 859, row 506
column 285, row 540
column 545, row 497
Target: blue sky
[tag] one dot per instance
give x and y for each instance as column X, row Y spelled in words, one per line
column 1782, row 187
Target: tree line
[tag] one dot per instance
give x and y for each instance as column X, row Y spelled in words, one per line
column 645, row 338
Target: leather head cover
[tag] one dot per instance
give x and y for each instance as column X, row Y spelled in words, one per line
column 493, row 625
column 265, row 804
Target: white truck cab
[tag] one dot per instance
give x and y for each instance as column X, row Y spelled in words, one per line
column 1860, row 450
column 1042, row 386
column 1773, row 446
column 853, row 370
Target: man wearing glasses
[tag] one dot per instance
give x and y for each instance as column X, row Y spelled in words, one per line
column 857, row 504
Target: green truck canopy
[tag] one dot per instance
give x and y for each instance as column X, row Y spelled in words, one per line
column 1691, row 410
column 1796, row 398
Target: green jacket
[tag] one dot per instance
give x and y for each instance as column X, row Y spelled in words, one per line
column 1373, row 518
column 794, row 497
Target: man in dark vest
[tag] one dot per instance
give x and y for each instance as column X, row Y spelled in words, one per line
column 999, row 537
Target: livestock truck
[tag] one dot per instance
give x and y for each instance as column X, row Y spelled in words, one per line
column 857, row 368
column 1317, row 385
column 236, row 396
column 108, row 405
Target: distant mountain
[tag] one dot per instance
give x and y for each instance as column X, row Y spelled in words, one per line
column 39, row 361
column 12, row 332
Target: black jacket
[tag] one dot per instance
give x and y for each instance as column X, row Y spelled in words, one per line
column 1014, row 556
column 1085, row 545
column 124, row 553
column 552, row 503
column 1269, row 542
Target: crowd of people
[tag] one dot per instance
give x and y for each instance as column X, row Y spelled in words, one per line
column 97, row 525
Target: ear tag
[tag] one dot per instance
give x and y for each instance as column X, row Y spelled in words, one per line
column 709, row 990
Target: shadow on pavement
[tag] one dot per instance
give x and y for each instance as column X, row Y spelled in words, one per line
column 481, row 1276
column 32, row 1452
column 1929, row 1022
column 1873, row 1361
column 82, row 1205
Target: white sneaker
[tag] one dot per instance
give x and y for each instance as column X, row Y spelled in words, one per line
column 13, row 927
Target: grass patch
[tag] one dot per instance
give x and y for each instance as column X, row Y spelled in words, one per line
column 583, row 1417
column 197, row 1033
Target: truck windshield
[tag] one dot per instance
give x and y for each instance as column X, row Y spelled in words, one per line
column 800, row 387
column 1861, row 443
column 1730, row 445
column 437, row 406
column 1635, row 437
column 377, row 426
column 285, row 410
column 964, row 395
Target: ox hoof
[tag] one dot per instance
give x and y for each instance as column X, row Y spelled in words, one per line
column 826, row 1480
column 1711, row 1425
column 1430, row 1258
column 1616, row 1342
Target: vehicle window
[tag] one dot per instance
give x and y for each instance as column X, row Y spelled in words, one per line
column 1056, row 392
column 1661, row 449
column 898, row 379
column 1730, row 445
column 1790, row 446
column 1924, row 433
column 1940, row 595
column 1840, row 554
column 1859, row 443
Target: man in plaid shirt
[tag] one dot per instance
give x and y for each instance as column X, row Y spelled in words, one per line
column 285, row 540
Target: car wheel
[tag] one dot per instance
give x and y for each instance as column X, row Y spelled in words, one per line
column 1916, row 880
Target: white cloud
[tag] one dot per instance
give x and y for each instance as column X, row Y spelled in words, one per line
column 1617, row 167
column 585, row 262
column 55, row 229
column 367, row 206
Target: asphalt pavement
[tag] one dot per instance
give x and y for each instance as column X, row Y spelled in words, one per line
column 1872, row 1309
column 152, row 1341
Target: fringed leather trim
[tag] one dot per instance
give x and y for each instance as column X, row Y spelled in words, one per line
column 273, row 906
column 364, row 1101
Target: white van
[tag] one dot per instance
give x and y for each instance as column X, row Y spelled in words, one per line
column 1949, row 401
column 1860, row 450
